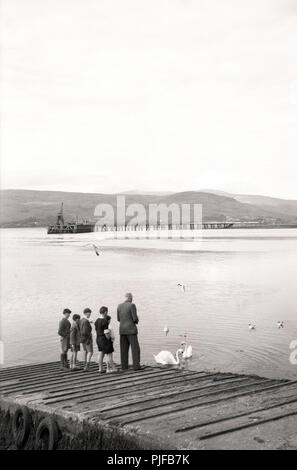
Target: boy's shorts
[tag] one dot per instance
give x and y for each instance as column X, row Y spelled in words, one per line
column 65, row 344
column 88, row 347
column 75, row 347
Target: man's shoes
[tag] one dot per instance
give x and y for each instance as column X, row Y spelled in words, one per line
column 139, row 368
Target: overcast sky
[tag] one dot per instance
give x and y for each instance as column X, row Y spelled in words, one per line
column 113, row 95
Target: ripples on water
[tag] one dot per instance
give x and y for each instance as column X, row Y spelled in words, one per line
column 233, row 277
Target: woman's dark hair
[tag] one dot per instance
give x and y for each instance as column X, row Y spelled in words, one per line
column 75, row 317
column 103, row 310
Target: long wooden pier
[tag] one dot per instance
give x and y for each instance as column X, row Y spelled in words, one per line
column 161, row 227
column 155, row 408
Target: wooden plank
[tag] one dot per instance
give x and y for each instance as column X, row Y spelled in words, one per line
column 190, row 392
column 231, row 417
column 148, row 414
column 4, row 370
column 173, row 402
column 72, row 378
column 218, row 410
column 94, row 392
column 34, row 371
column 248, row 425
column 122, row 386
column 177, row 386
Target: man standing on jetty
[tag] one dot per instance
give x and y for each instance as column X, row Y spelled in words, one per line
column 127, row 316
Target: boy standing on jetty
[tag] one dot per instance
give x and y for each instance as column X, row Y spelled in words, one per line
column 64, row 332
column 74, row 341
column 86, row 337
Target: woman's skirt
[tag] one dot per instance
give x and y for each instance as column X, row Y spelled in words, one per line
column 104, row 345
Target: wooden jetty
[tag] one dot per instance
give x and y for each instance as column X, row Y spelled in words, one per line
column 155, row 408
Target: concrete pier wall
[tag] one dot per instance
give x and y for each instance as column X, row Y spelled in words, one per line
column 74, row 433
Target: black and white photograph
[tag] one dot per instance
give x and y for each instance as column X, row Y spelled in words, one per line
column 148, row 228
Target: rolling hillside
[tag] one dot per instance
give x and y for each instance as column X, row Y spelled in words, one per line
column 25, row 208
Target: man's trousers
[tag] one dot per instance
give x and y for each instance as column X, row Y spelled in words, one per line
column 125, row 342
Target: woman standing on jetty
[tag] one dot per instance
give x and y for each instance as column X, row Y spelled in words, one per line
column 104, row 341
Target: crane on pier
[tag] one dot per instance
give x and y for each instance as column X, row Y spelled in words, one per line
column 60, row 216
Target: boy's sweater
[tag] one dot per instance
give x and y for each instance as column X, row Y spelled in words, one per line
column 85, row 330
column 75, row 334
column 64, row 328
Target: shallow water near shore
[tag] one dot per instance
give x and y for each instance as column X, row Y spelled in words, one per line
column 232, row 277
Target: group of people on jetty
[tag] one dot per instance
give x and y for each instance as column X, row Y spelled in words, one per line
column 79, row 333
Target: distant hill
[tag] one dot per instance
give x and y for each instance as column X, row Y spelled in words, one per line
column 284, row 206
column 27, row 208
column 147, row 193
column 287, row 207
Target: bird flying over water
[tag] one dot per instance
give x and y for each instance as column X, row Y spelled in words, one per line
column 252, row 326
column 280, row 324
column 182, row 286
column 95, row 247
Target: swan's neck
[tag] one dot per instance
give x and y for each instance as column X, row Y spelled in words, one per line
column 177, row 357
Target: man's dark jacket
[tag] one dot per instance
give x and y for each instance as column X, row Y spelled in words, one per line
column 127, row 316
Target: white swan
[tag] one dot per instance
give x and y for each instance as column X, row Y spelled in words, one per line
column 166, row 330
column 187, row 351
column 166, row 357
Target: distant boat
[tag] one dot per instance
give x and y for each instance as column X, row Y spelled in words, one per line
column 69, row 227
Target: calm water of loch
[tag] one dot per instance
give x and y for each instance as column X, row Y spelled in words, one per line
column 233, row 277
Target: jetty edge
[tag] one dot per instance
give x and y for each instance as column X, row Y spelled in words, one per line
column 157, row 408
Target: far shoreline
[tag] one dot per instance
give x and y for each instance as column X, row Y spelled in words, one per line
column 233, row 227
